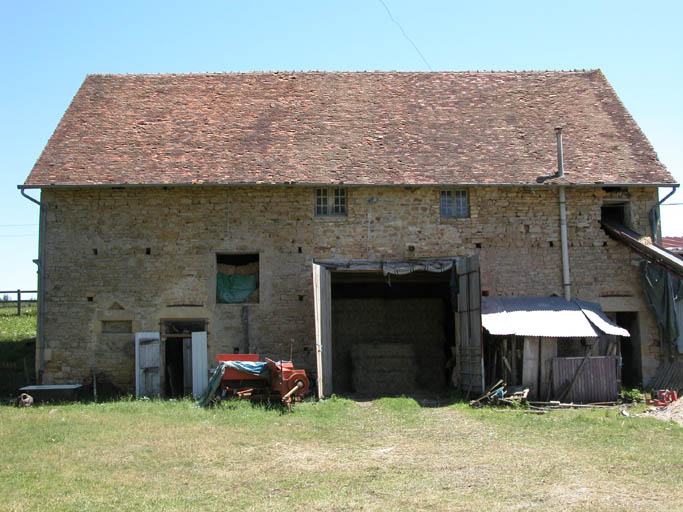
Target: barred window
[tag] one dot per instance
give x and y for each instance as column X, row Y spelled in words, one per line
column 330, row 202
column 454, row 204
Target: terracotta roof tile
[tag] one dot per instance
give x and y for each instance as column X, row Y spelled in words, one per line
column 403, row 128
column 673, row 243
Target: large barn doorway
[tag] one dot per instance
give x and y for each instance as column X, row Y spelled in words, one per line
column 393, row 312
column 391, row 334
column 392, row 327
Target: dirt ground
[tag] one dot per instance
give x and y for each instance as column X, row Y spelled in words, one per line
column 673, row 411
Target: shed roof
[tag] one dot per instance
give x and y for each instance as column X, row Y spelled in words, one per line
column 353, row 128
column 546, row 317
column 673, row 243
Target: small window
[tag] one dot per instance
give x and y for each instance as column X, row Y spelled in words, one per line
column 454, row 204
column 237, row 278
column 330, row 202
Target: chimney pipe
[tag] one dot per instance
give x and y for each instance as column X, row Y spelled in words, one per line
column 560, row 156
column 566, row 282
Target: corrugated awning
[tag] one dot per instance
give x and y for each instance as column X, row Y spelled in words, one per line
column 547, row 317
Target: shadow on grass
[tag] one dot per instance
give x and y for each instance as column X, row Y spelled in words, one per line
column 17, row 366
column 424, row 399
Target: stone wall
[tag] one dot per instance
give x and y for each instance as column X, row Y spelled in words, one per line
column 148, row 254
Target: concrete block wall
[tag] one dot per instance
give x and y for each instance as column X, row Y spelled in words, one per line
column 148, row 254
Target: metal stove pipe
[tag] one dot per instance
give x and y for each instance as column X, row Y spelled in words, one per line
column 566, row 282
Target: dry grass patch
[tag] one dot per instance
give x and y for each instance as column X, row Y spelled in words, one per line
column 333, row 455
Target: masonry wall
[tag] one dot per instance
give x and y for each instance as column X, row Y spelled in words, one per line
column 147, row 254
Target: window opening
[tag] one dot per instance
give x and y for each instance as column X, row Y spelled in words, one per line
column 237, row 278
column 330, row 202
column 454, row 204
column 613, row 213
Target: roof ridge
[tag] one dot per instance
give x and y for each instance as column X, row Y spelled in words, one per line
column 351, row 72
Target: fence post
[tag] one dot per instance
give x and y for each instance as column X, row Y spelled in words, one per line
column 18, row 302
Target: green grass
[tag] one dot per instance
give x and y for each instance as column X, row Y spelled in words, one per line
column 390, row 454
column 17, row 328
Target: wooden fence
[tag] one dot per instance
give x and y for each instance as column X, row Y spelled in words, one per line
column 595, row 380
column 19, row 300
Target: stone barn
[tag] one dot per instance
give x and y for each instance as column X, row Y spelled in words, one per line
column 354, row 218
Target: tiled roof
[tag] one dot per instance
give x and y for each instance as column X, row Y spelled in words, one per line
column 673, row 243
column 399, row 128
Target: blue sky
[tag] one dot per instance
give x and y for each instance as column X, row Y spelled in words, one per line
column 47, row 48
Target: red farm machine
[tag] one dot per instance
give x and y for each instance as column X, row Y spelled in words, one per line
column 243, row 376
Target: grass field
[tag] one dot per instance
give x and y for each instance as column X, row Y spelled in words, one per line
column 390, row 454
column 17, row 328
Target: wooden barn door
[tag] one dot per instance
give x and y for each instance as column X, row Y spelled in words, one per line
column 469, row 335
column 147, row 363
column 322, row 303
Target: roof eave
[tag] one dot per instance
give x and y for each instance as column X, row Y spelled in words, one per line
column 341, row 184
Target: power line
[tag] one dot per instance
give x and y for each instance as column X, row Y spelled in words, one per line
column 406, row 35
column 16, row 225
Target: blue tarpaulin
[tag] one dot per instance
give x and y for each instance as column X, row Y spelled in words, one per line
column 251, row 367
column 233, row 288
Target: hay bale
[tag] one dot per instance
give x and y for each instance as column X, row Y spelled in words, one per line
column 383, row 368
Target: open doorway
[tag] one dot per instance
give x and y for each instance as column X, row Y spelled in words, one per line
column 631, row 369
column 176, row 356
column 391, row 334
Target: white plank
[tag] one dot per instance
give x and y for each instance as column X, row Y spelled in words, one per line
column 200, row 363
column 322, row 304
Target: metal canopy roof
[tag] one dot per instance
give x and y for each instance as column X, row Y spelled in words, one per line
column 546, row 317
